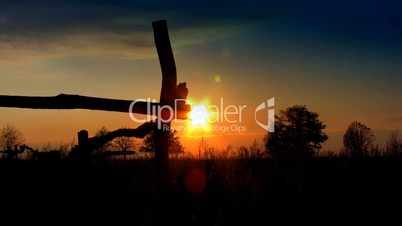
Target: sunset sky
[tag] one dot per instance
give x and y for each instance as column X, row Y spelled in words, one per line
column 341, row 59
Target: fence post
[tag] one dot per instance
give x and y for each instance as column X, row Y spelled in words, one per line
column 167, row 97
column 83, row 145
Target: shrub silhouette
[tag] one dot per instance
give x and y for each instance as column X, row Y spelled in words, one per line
column 10, row 140
column 175, row 147
column 358, row 139
column 298, row 134
column 252, row 152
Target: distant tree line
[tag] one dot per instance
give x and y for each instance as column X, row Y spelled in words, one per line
column 12, row 145
column 299, row 135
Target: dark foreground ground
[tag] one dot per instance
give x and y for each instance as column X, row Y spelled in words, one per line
column 208, row 192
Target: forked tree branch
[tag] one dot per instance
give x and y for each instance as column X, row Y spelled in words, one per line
column 139, row 132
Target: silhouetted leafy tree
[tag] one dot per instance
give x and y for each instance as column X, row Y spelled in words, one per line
column 298, row 134
column 10, row 140
column 175, row 147
column 358, row 139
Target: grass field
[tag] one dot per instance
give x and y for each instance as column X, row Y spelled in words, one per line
column 201, row 192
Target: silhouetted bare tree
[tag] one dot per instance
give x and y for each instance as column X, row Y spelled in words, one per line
column 101, row 132
column 10, row 140
column 124, row 144
column 358, row 139
column 298, row 134
column 393, row 145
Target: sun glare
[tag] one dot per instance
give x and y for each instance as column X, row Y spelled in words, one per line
column 199, row 115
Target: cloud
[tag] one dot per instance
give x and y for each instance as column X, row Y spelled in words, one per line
column 40, row 29
column 32, row 30
column 133, row 45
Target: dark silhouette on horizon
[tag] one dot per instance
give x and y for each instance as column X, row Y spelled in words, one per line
column 298, row 134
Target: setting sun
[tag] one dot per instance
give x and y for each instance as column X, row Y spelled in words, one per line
column 199, row 116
